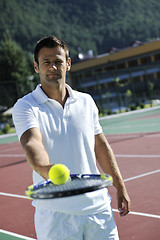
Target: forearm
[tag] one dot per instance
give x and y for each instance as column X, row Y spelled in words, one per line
column 107, row 161
column 38, row 158
column 35, row 152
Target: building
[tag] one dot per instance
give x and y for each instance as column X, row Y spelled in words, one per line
column 120, row 77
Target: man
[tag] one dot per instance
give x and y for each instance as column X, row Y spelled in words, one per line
column 56, row 124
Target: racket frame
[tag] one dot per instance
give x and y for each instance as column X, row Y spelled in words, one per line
column 32, row 192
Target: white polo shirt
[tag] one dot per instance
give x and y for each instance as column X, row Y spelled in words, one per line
column 68, row 135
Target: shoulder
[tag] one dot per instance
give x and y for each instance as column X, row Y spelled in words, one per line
column 86, row 99
column 77, row 94
column 24, row 101
column 83, row 96
column 32, row 99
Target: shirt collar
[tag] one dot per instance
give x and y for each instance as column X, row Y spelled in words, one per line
column 72, row 93
column 41, row 97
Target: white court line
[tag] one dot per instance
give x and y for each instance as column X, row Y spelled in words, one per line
column 125, row 180
column 130, row 113
column 8, row 135
column 117, row 155
column 143, row 134
column 9, row 149
column 137, row 156
column 13, row 195
column 12, row 155
column 138, row 126
column 140, row 214
column 141, row 175
column 115, row 210
column 16, row 235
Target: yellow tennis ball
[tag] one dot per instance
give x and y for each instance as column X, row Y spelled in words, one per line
column 59, row 174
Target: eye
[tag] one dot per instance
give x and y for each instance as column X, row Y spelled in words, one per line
column 46, row 62
column 58, row 62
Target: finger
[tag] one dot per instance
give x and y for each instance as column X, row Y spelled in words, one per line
column 125, row 209
column 123, row 212
column 119, row 200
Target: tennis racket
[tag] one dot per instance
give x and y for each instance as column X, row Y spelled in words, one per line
column 77, row 184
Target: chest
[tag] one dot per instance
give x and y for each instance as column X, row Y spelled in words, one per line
column 73, row 119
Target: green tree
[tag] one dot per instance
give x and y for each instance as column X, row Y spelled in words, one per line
column 128, row 95
column 14, row 77
column 117, row 89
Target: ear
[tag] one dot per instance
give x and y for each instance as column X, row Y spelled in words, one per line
column 36, row 67
column 68, row 64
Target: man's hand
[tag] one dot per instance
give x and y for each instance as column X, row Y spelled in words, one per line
column 124, row 204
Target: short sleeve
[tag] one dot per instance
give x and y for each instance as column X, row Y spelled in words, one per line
column 97, row 126
column 23, row 117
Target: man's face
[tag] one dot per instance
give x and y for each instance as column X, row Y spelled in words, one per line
column 52, row 66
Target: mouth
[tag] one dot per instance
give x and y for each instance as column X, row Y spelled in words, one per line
column 53, row 75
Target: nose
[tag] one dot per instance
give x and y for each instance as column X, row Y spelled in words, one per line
column 53, row 66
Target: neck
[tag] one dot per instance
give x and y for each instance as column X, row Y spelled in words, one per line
column 59, row 94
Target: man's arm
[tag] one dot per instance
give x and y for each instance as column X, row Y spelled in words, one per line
column 107, row 162
column 36, row 155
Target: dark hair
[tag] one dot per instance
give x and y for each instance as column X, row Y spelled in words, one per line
column 50, row 42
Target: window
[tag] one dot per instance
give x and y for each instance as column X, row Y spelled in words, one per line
column 157, row 57
column 133, row 63
column 120, row 66
column 145, row 60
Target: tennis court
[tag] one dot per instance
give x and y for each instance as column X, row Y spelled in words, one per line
column 134, row 137
column 139, row 121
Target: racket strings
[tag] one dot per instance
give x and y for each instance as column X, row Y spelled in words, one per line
column 71, row 185
column 76, row 185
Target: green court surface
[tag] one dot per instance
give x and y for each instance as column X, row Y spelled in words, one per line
column 5, row 235
column 140, row 121
column 8, row 138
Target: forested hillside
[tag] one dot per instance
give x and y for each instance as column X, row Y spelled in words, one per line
column 96, row 24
